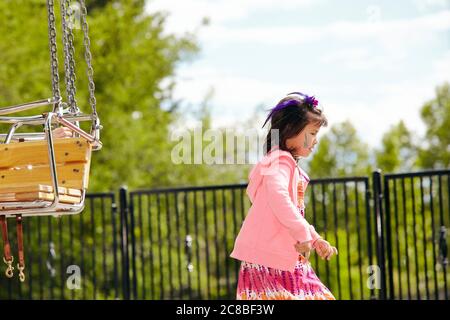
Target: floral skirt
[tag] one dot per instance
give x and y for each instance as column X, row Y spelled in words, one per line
column 257, row 282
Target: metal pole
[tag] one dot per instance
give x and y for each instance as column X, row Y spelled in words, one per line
column 378, row 207
column 124, row 242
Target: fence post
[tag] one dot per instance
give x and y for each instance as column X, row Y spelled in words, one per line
column 379, row 229
column 387, row 217
column 123, row 198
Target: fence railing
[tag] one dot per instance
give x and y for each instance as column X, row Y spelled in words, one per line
column 415, row 228
column 175, row 243
column 71, row 257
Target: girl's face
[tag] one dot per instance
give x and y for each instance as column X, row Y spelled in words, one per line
column 303, row 143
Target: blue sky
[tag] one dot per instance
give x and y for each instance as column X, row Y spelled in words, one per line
column 372, row 62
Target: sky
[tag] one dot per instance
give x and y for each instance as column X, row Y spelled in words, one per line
column 370, row 62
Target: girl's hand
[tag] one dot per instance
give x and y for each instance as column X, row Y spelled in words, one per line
column 62, row 132
column 303, row 247
column 324, row 249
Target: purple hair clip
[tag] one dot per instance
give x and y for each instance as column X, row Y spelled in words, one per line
column 309, row 100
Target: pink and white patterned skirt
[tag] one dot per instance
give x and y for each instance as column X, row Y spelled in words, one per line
column 257, row 282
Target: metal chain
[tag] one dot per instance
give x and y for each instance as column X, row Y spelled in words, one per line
column 69, row 53
column 66, row 51
column 53, row 50
column 72, row 77
column 88, row 58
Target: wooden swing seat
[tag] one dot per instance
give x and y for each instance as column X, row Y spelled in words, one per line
column 25, row 176
column 39, row 193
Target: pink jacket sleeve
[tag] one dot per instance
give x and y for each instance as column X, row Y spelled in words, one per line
column 277, row 190
column 314, row 233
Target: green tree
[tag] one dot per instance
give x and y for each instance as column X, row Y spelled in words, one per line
column 398, row 152
column 435, row 151
column 340, row 153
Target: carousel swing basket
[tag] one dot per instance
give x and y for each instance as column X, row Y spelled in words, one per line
column 41, row 175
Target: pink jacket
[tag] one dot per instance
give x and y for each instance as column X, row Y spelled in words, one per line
column 274, row 223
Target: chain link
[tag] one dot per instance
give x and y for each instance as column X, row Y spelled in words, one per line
column 72, row 73
column 88, row 58
column 53, row 50
column 69, row 53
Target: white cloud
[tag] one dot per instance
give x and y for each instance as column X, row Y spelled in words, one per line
column 373, row 118
column 392, row 34
column 427, row 5
column 361, row 58
column 187, row 15
column 236, row 97
column 441, row 68
column 229, row 89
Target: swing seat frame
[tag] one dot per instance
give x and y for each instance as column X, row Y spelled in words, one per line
column 40, row 175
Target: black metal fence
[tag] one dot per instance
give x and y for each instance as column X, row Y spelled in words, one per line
column 71, row 257
column 415, row 235
column 175, row 243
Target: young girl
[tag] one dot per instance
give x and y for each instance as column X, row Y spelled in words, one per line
column 275, row 239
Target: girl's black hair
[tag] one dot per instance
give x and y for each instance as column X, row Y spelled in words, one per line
column 291, row 120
